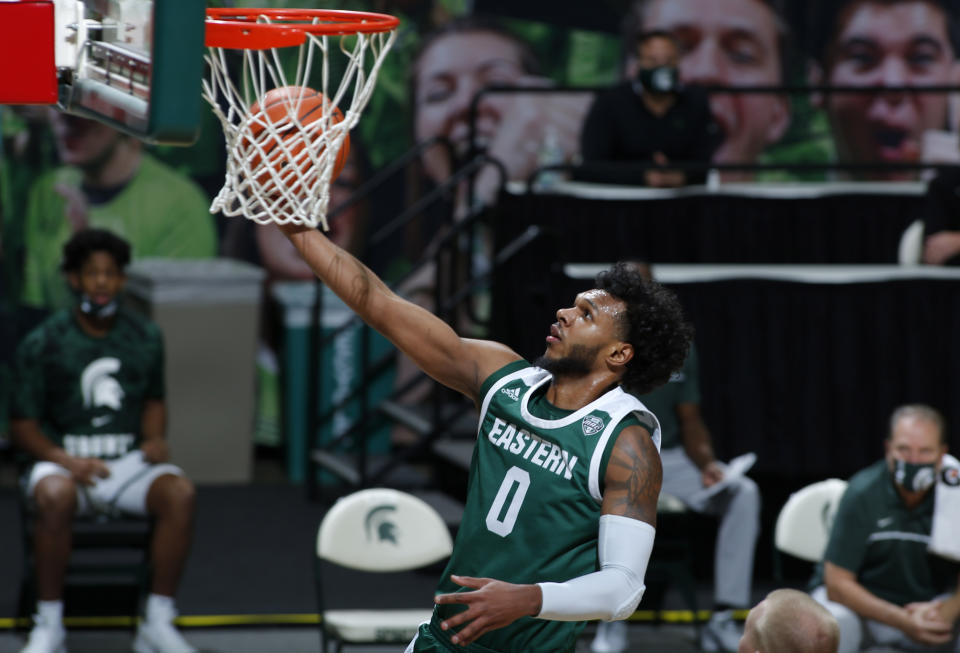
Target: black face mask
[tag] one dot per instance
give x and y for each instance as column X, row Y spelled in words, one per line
column 88, row 307
column 914, row 477
column 659, row 79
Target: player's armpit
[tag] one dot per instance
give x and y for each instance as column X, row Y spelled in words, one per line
column 633, row 477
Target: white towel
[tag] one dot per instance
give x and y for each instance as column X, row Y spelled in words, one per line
column 945, row 534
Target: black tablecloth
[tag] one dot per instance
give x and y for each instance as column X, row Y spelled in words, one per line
column 697, row 226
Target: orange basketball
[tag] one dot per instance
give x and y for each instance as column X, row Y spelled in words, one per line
column 282, row 107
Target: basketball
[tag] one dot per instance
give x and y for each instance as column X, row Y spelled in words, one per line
column 282, row 108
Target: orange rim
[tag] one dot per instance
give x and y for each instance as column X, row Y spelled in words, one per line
column 238, row 29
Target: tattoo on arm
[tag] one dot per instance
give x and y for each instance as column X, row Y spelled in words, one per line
column 634, row 476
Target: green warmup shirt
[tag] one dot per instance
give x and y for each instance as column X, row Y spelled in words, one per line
column 159, row 212
column 88, row 393
column 884, row 543
column 683, row 387
column 534, row 495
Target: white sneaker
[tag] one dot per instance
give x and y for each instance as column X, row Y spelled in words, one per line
column 160, row 637
column 46, row 637
column 611, row 637
column 721, row 633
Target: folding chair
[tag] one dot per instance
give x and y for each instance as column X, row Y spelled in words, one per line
column 377, row 536
column 803, row 525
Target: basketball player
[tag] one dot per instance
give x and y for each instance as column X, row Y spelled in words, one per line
column 789, row 621
column 88, row 406
column 561, row 504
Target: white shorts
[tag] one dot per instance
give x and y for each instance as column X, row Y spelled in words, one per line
column 124, row 491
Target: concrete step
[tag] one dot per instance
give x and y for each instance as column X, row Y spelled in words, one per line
column 419, row 418
column 449, row 508
column 344, row 466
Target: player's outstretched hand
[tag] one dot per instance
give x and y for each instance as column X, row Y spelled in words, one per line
column 493, row 604
column 291, row 229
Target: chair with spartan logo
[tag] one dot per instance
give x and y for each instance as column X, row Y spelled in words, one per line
column 803, row 525
column 378, row 557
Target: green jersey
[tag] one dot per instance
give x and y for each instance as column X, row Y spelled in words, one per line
column 683, row 387
column 878, row 538
column 534, row 497
column 88, row 393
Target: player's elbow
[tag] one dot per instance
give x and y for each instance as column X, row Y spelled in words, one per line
column 625, row 594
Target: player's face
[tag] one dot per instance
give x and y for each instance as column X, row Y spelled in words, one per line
column 748, row 643
column 586, row 329
column 915, row 440
column 658, row 52
column 736, row 43
column 82, row 142
column 888, row 44
column 448, row 75
column 99, row 278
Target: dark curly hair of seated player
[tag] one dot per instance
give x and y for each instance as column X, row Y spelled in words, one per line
column 656, row 327
column 78, row 249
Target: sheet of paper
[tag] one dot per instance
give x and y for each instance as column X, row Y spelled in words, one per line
column 732, row 470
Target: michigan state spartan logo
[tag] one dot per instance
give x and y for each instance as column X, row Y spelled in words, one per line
column 98, row 387
column 379, row 525
column 591, row 425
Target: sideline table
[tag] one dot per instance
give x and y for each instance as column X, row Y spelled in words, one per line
column 835, row 222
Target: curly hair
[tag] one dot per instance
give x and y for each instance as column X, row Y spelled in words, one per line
column 87, row 241
column 653, row 324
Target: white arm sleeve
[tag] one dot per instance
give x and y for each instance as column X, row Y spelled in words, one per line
column 613, row 592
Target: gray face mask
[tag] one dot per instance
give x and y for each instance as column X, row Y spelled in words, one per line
column 913, row 477
column 91, row 308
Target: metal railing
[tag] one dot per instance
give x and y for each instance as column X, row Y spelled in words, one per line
column 457, row 234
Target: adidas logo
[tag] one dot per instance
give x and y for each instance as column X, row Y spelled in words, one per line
column 513, row 393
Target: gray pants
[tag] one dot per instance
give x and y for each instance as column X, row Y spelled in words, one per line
column 738, row 508
column 858, row 634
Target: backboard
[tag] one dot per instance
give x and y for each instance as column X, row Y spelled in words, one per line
column 133, row 64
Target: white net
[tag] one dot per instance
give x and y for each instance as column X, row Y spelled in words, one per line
column 280, row 161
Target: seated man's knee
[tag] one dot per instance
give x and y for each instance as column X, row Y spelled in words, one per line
column 55, row 495
column 851, row 626
column 172, row 492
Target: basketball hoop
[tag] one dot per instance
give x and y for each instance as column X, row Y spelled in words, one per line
column 279, row 169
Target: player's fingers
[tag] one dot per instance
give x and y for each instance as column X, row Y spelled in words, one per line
column 469, row 581
column 470, row 633
column 456, row 620
column 455, row 597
